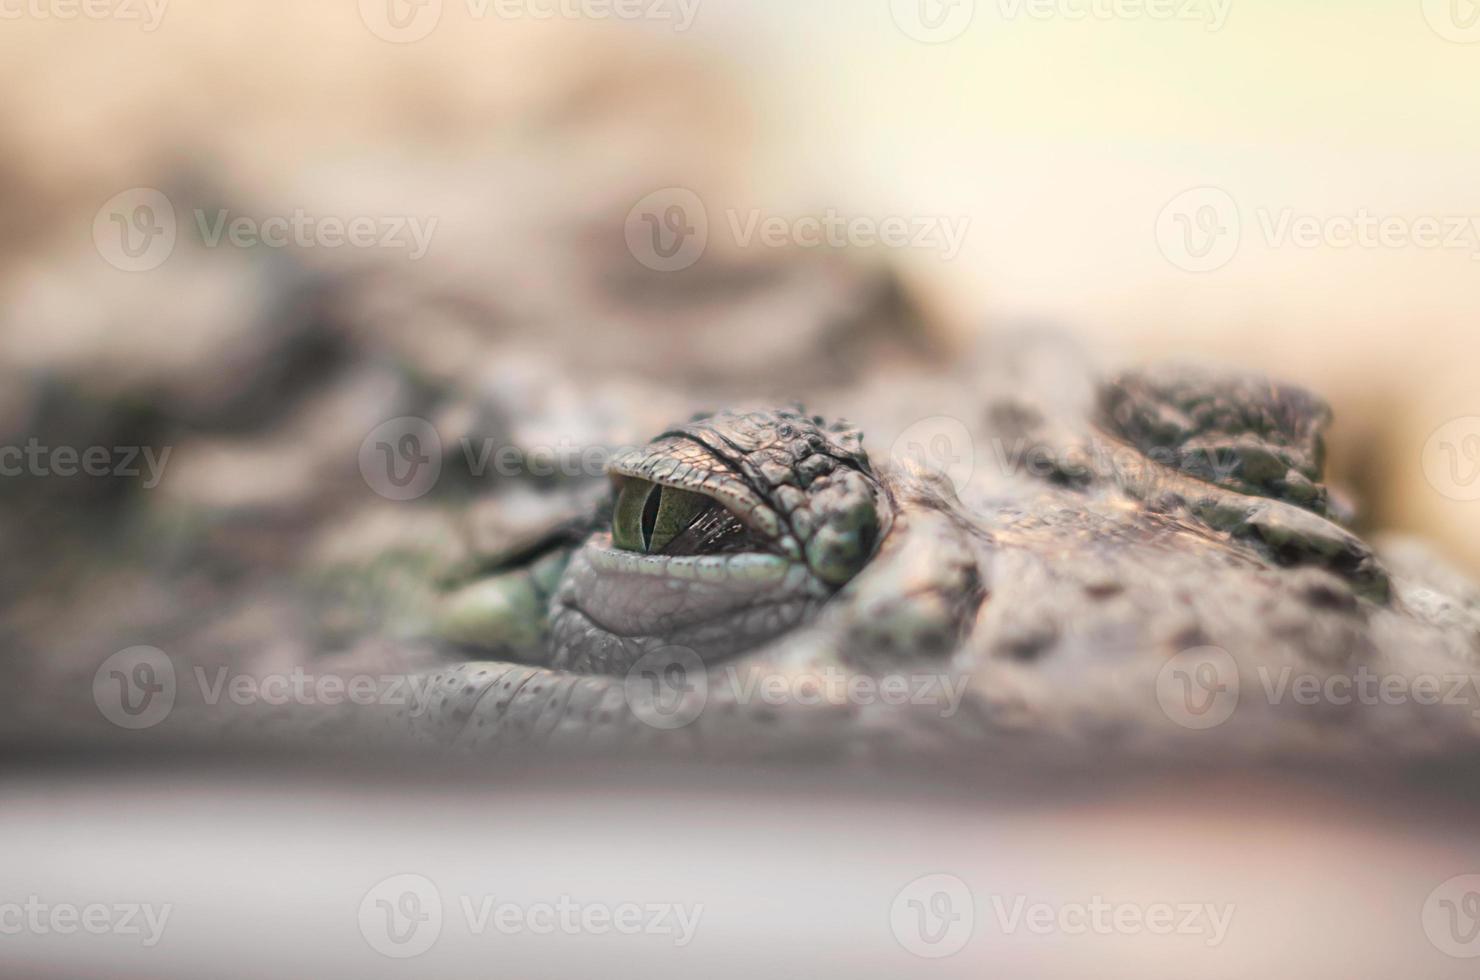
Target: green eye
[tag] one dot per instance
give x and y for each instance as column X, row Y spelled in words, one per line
column 648, row 515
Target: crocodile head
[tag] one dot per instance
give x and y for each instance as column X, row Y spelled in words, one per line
column 723, row 533
column 1181, row 512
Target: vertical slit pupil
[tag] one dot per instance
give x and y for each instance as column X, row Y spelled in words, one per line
column 650, row 515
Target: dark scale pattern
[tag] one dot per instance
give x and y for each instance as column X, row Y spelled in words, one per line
column 1240, row 431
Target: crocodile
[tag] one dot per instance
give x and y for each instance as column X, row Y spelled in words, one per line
column 1011, row 550
column 1129, row 562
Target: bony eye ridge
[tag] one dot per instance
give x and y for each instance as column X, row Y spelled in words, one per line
column 649, row 516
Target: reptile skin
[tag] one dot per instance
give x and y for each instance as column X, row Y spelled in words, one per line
column 1165, row 511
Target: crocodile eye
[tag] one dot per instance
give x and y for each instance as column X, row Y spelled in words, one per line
column 648, row 515
column 635, row 514
column 674, row 513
